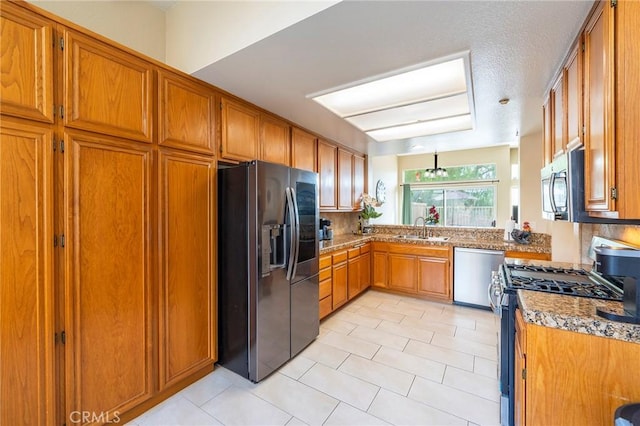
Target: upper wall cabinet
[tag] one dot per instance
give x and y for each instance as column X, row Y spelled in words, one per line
column 345, row 180
column 240, row 131
column 26, row 75
column 327, row 169
column 275, row 140
column 573, row 95
column 185, row 111
column 558, row 116
column 303, row 150
column 106, row 89
column 359, row 180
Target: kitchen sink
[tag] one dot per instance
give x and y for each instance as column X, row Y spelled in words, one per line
column 416, row 237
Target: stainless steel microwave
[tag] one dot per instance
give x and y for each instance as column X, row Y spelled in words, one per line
column 562, row 184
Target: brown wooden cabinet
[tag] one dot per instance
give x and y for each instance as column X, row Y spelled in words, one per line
column 325, row 290
column 345, row 179
column 520, row 371
column 27, row 367
column 26, row 89
column 275, row 140
column 106, row 90
column 359, row 180
column 303, row 150
column 365, row 267
column 340, row 278
column 240, row 131
column 573, row 378
column 359, row 269
column 185, row 111
column 327, row 169
column 573, row 98
column 434, row 276
column 611, row 108
column 547, row 124
column 423, row 271
column 109, row 305
column 558, row 116
column 187, row 326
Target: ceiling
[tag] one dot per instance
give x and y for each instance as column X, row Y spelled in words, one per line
column 515, row 48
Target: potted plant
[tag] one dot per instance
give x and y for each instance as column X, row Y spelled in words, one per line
column 368, row 210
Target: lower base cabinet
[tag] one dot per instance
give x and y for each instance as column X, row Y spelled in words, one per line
column 423, row 271
column 325, row 293
column 571, row 378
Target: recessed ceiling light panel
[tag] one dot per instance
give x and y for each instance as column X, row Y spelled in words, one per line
column 423, row 97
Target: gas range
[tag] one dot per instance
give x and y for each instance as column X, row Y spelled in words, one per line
column 567, row 281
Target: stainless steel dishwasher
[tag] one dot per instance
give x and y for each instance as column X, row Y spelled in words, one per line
column 472, row 275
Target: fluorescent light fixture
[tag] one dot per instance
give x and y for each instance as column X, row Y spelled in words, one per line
column 433, row 127
column 424, row 98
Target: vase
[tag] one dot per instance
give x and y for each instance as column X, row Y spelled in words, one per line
column 366, row 226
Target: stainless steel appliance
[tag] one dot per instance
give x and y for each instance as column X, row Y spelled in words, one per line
column 326, row 232
column 471, row 273
column 624, row 263
column 514, row 275
column 562, row 184
column 267, row 266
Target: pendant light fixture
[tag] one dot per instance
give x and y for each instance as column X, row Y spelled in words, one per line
column 435, row 171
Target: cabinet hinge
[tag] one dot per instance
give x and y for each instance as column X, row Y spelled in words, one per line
column 55, row 142
column 583, row 46
column 62, row 240
column 61, row 111
column 62, row 146
column 63, row 337
column 614, row 3
column 55, row 241
column 584, row 130
column 220, row 106
column 61, row 43
column 614, row 193
column 524, row 374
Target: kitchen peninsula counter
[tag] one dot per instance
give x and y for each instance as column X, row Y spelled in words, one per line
column 576, row 314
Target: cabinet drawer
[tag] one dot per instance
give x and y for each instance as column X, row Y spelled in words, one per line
column 325, row 289
column 340, row 256
column 325, row 307
column 325, row 274
column 325, row 261
column 365, row 248
column 354, row 252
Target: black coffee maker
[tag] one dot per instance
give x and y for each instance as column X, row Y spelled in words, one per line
column 623, row 262
column 324, row 229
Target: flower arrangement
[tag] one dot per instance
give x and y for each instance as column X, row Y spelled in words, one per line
column 368, row 210
column 433, row 217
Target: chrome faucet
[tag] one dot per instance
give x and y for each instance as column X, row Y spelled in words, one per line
column 424, row 225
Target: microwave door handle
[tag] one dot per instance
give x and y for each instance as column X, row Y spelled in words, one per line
column 292, row 254
column 552, row 181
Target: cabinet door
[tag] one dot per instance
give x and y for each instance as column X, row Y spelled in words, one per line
column 345, row 180
column 433, row 277
column 240, row 131
column 365, row 271
column 108, row 307
column 520, row 372
column 379, row 269
column 547, row 125
column 339, row 287
column 558, row 111
column 402, row 272
column 274, row 140
column 353, row 277
column 573, row 74
column 106, row 90
column 359, row 181
column 598, row 112
column 303, row 150
column 327, row 163
column 27, row 369
column 26, row 86
column 185, row 111
column 187, row 283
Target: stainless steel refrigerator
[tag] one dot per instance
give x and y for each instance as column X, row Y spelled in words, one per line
column 267, row 266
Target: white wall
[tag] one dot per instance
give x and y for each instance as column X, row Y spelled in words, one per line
column 200, row 33
column 385, row 168
column 134, row 24
column 499, row 155
column 530, row 194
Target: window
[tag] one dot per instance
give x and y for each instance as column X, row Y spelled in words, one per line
column 466, row 197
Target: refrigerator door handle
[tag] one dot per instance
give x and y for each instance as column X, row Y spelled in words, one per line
column 292, row 224
column 296, row 247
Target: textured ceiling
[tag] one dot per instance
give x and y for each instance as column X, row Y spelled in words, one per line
column 515, row 47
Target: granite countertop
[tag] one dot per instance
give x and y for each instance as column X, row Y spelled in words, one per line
column 348, row 240
column 576, row 314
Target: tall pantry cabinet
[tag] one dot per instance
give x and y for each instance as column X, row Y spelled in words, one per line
column 108, row 223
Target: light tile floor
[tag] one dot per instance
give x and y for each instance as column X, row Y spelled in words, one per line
column 382, row 359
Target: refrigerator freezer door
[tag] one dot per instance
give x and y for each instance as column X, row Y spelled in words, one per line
column 305, row 321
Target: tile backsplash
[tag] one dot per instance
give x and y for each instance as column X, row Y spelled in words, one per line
column 628, row 233
column 342, row 223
